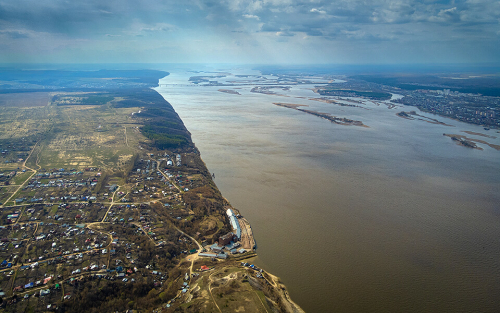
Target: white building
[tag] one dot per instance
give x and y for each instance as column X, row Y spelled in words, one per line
column 234, row 223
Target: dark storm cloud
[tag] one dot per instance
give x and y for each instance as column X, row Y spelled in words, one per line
column 53, row 15
column 191, row 22
column 274, row 15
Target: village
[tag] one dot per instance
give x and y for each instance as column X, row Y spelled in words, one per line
column 63, row 226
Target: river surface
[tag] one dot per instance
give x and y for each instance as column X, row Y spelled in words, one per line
column 394, row 217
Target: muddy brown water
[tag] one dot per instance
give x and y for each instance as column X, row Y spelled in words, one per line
column 391, row 218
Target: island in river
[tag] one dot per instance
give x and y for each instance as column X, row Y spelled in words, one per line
column 326, row 116
column 230, row 91
column 107, row 206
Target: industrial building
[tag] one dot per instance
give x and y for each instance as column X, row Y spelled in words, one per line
column 234, row 223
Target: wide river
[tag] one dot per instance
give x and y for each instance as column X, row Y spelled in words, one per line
column 391, row 218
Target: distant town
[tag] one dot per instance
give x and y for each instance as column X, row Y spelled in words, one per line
column 466, row 107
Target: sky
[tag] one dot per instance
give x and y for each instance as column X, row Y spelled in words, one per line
column 250, row 31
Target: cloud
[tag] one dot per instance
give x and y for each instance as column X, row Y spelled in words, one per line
column 159, row 27
column 314, row 32
column 15, row 34
column 143, row 23
column 254, row 6
column 451, row 15
column 315, row 10
column 284, row 33
column 250, row 16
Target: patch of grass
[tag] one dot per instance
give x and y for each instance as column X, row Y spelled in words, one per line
column 262, row 297
column 22, row 177
column 53, row 210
